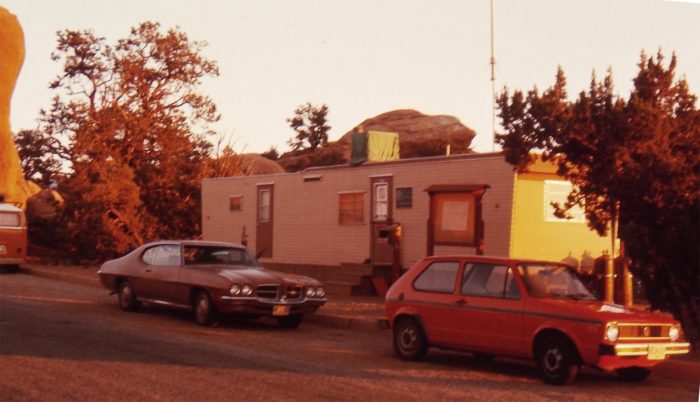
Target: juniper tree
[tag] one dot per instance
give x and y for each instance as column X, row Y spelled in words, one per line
column 632, row 161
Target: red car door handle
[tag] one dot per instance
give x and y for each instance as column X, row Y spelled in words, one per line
column 461, row 302
column 149, row 270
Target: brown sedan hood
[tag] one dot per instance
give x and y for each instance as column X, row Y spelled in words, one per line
column 242, row 275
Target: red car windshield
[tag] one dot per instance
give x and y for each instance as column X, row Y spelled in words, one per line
column 554, row 281
column 216, row 255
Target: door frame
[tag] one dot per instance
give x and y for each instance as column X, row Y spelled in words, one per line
column 373, row 181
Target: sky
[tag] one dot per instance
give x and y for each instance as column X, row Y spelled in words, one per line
column 367, row 57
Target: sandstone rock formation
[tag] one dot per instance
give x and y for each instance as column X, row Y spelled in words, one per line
column 254, row 164
column 13, row 187
column 414, row 126
column 419, row 135
column 44, row 204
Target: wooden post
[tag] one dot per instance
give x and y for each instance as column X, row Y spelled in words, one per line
column 610, row 264
column 627, row 285
column 609, row 280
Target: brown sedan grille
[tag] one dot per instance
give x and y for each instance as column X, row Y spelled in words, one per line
column 272, row 292
column 629, row 332
column 268, row 291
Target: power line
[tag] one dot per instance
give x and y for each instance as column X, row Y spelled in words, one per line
column 493, row 87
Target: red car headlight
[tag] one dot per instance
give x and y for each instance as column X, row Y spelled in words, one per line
column 674, row 333
column 612, row 332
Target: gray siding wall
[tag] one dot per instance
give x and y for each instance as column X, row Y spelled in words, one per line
column 306, row 229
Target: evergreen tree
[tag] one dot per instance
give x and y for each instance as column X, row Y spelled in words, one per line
column 38, row 153
column 310, row 124
column 133, row 123
column 631, row 161
column 271, row 154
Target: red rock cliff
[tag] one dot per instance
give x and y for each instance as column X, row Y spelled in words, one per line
column 12, row 184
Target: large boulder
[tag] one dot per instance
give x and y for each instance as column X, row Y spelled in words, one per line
column 331, row 154
column 414, row 126
column 254, row 164
column 44, row 204
column 13, row 187
column 419, row 135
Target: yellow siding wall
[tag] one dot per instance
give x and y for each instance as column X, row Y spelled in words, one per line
column 533, row 237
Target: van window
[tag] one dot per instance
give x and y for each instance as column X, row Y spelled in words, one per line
column 9, row 219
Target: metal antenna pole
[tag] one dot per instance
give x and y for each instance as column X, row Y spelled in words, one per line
column 493, row 88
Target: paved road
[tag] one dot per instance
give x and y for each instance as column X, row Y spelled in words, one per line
column 61, row 341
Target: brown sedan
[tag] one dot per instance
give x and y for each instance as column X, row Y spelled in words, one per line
column 209, row 278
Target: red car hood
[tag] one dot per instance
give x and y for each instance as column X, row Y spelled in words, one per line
column 598, row 310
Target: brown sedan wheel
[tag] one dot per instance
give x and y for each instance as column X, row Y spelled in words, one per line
column 127, row 298
column 557, row 361
column 409, row 340
column 204, row 311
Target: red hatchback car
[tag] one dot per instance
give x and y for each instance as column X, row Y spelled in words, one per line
column 525, row 309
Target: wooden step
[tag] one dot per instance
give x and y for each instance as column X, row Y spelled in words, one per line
column 338, row 288
column 339, row 276
column 360, row 269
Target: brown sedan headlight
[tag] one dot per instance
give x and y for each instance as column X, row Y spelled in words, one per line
column 247, row 290
column 314, row 292
column 235, row 290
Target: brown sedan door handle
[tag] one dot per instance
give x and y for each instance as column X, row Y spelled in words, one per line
column 149, row 270
column 461, row 302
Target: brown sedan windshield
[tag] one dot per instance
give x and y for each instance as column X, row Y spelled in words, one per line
column 208, row 255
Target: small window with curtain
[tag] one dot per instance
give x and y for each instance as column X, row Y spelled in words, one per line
column 234, row 203
column 351, row 208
